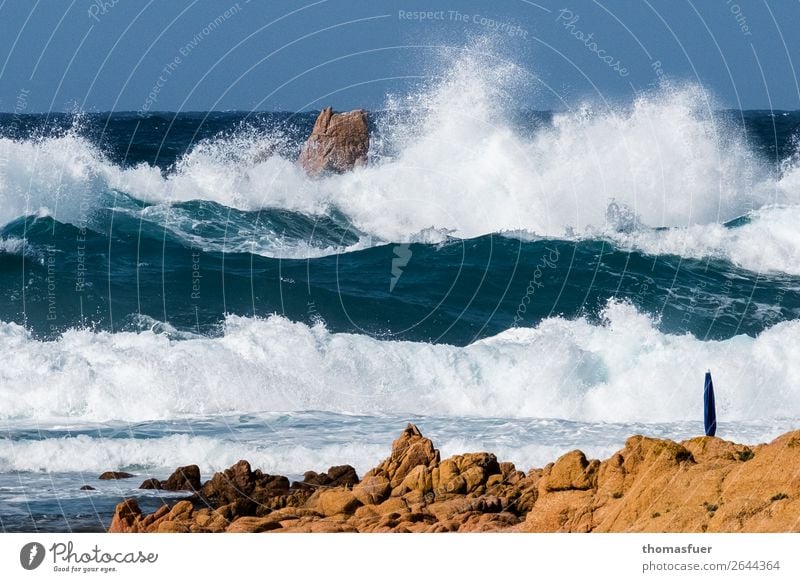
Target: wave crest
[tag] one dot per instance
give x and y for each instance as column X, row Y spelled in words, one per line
column 624, row 369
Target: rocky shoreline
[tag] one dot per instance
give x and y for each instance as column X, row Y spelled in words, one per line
column 651, row 485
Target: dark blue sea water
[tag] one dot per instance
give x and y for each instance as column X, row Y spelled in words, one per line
column 126, row 263
column 177, row 291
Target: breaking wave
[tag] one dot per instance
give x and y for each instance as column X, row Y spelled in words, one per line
column 622, row 369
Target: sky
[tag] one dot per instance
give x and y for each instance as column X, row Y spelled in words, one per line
column 157, row 55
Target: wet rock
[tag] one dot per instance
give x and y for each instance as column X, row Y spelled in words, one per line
column 338, row 143
column 183, row 479
column 112, row 475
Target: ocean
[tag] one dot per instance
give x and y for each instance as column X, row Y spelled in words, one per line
column 178, row 291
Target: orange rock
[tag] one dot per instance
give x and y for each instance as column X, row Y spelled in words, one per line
column 372, row 490
column 572, row 471
column 408, row 452
column 253, row 525
column 650, row 485
column 336, row 501
column 392, row 505
column 126, row 516
column 169, row 526
column 338, row 142
column 418, row 479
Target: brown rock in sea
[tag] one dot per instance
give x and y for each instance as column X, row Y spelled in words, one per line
column 112, row 475
column 151, row 483
column 338, row 476
column 338, row 143
column 126, row 515
column 183, row 479
column 650, row 485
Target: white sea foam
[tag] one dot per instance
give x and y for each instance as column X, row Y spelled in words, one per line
column 623, row 370
column 311, row 446
column 768, row 242
column 459, row 165
column 62, row 176
column 12, row 246
column 95, row 455
column 160, row 456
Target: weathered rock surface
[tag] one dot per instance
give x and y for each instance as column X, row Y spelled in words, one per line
column 112, row 475
column 651, row 485
column 151, row 483
column 183, row 479
column 338, row 143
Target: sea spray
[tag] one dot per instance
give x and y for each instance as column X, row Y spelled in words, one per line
column 622, row 369
column 454, row 158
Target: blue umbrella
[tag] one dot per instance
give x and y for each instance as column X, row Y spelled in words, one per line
column 709, row 406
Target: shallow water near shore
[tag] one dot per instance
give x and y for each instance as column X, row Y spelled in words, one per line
column 42, row 469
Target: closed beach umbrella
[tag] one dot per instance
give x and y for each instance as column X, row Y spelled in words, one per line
column 709, row 406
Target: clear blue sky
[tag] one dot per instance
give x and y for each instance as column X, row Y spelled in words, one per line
column 100, row 55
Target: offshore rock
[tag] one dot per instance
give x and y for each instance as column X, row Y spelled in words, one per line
column 338, row 143
column 113, row 475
